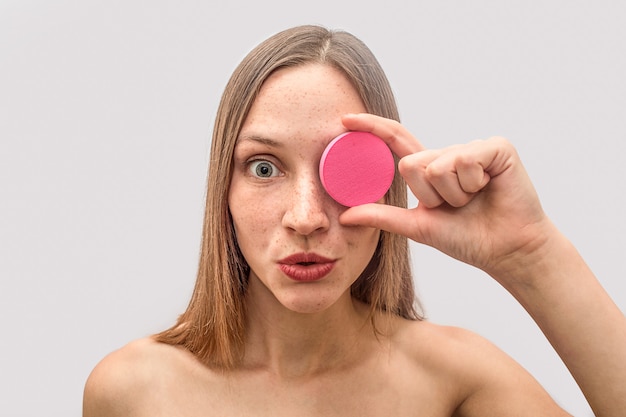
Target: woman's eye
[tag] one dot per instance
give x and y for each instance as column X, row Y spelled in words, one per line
column 263, row 169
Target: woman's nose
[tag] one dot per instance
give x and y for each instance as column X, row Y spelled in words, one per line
column 307, row 205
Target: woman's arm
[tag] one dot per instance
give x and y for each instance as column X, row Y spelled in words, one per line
column 578, row 317
column 478, row 205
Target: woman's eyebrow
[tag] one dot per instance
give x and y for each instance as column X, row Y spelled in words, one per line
column 260, row 139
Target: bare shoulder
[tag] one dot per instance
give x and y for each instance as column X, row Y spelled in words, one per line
column 129, row 378
column 478, row 374
column 446, row 345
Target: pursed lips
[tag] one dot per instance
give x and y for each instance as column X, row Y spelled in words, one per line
column 306, row 266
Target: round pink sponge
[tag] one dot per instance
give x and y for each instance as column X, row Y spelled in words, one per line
column 357, row 168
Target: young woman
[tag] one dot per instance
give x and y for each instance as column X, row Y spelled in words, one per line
column 305, row 307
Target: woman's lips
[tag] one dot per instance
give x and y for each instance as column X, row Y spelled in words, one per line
column 306, row 266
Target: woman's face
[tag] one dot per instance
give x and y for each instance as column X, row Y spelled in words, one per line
column 286, row 225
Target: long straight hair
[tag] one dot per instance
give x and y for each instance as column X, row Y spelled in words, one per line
column 212, row 327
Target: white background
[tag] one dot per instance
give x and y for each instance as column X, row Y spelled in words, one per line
column 106, row 109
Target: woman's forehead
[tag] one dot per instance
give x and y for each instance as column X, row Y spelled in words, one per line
column 312, row 95
column 311, row 84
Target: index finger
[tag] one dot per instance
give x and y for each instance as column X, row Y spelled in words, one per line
column 396, row 136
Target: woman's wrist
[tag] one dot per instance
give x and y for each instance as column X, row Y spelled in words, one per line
column 541, row 262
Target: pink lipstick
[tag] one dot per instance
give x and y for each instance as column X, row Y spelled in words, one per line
column 306, row 266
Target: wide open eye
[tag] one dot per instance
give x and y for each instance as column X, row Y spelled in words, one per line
column 263, row 169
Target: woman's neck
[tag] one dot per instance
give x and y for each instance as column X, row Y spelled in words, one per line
column 292, row 344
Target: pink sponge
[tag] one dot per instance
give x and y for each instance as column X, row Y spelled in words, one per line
column 357, row 168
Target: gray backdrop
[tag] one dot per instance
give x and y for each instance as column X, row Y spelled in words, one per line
column 106, row 108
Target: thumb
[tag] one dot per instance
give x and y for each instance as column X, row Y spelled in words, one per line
column 381, row 216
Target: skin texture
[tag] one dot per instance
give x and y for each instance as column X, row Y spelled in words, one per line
column 310, row 348
column 289, row 212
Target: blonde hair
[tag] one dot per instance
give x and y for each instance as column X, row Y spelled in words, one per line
column 212, row 327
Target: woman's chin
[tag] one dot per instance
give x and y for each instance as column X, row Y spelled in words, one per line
column 309, row 303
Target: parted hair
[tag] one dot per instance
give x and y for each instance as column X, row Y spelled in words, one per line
column 212, row 326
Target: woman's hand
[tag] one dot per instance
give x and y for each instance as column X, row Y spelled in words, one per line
column 476, row 202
